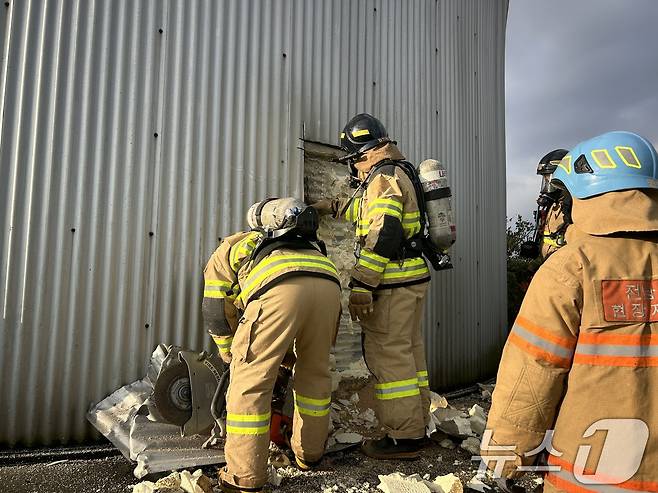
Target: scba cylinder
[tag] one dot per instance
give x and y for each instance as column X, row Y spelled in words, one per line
column 273, row 214
column 434, row 180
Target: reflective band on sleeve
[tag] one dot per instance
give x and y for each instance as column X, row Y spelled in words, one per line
column 241, row 250
column 372, row 261
column 312, row 407
column 423, row 380
column 352, row 212
column 542, row 343
column 223, row 343
column 248, row 424
column 397, row 389
column 360, row 290
column 277, row 263
column 627, row 350
column 214, row 288
column 390, row 207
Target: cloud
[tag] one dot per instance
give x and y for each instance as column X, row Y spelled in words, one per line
column 575, row 70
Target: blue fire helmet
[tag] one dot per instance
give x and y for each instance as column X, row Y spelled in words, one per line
column 610, row 162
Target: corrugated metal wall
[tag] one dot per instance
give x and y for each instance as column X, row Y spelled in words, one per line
column 135, row 133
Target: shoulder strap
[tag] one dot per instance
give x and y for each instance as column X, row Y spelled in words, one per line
column 294, row 242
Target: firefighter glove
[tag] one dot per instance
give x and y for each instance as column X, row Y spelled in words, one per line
column 360, row 304
column 324, row 207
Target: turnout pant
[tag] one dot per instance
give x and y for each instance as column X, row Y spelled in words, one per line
column 394, row 351
column 303, row 310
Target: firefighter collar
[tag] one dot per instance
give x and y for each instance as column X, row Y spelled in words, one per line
column 377, row 155
column 617, row 212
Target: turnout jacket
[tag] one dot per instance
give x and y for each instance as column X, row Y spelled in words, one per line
column 232, row 278
column 385, row 214
column 582, row 357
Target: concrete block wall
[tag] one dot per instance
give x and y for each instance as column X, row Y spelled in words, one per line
column 324, row 178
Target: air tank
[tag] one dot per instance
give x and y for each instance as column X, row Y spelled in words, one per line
column 275, row 213
column 434, row 180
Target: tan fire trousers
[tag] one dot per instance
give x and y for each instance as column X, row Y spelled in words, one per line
column 303, row 310
column 394, row 351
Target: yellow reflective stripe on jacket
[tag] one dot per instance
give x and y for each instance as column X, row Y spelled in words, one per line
column 423, row 379
column 223, row 343
column 411, row 223
column 312, row 407
column 248, row 424
column 390, row 207
column 241, row 250
column 362, row 228
column 214, row 288
column 412, row 267
column 276, row 263
column 352, row 212
column 397, row 389
column 372, row 261
column 550, row 241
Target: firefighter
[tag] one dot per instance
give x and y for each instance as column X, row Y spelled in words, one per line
column 550, row 225
column 551, row 205
column 583, row 353
column 287, row 292
column 388, row 285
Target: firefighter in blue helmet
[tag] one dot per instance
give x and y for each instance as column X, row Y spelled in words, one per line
column 587, row 332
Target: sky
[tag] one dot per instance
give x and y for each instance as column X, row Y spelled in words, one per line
column 575, row 69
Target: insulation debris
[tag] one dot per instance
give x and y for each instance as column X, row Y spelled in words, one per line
column 452, row 422
column 471, row 445
column 400, row 483
column 478, row 420
column 177, row 482
column 475, row 483
column 437, row 402
column 348, row 437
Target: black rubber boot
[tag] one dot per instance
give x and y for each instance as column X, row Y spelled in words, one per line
column 391, row 448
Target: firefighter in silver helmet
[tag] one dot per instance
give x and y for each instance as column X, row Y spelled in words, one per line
column 388, row 284
column 278, row 276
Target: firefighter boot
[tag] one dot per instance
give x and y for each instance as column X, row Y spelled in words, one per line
column 390, row 448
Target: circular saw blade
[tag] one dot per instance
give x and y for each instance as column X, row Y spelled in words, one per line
column 172, row 394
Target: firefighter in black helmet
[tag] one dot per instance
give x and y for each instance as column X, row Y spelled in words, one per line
column 552, row 214
column 389, row 282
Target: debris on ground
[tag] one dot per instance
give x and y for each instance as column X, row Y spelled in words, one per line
column 471, row 445
column 278, row 457
column 478, row 419
column 475, row 483
column 274, row 477
column 348, row 437
column 437, row 402
column 453, row 422
column 447, row 443
column 177, row 482
column 400, row 483
column 486, row 390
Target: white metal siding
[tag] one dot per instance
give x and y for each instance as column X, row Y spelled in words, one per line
column 106, row 228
